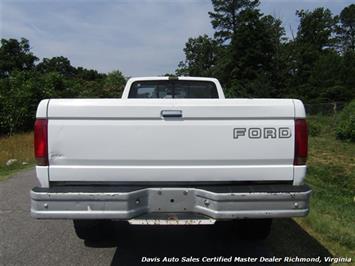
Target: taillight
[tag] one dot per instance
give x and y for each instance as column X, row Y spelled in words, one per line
column 41, row 141
column 301, row 142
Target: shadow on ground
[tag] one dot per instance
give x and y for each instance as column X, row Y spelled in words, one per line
column 134, row 242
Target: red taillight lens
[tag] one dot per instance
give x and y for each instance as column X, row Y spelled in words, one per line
column 301, row 142
column 41, row 141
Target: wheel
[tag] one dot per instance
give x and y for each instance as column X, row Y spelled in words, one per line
column 254, row 229
column 94, row 230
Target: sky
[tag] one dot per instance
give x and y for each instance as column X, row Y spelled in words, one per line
column 137, row 37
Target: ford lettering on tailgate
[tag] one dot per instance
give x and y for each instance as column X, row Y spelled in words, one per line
column 266, row 133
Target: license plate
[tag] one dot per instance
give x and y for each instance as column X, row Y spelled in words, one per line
column 171, row 221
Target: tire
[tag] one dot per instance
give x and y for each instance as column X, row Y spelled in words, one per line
column 254, row 229
column 94, row 230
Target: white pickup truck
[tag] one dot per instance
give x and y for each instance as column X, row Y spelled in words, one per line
column 173, row 150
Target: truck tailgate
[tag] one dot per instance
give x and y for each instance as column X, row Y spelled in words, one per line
column 128, row 140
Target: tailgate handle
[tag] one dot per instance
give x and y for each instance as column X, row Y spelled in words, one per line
column 171, row 113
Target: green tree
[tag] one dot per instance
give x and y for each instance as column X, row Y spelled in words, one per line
column 327, row 79
column 89, row 74
column 278, row 62
column 15, row 56
column 317, row 28
column 113, row 85
column 348, row 72
column 200, row 57
column 54, row 85
column 254, row 59
column 59, row 64
column 224, row 19
column 18, row 101
column 63, row 80
column 316, row 38
column 23, row 85
column 347, row 28
column 80, row 88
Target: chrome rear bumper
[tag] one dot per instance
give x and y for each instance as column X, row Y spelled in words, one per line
column 269, row 201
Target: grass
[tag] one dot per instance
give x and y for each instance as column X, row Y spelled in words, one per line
column 19, row 147
column 331, row 174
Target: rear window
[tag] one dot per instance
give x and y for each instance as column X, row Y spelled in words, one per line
column 156, row 89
